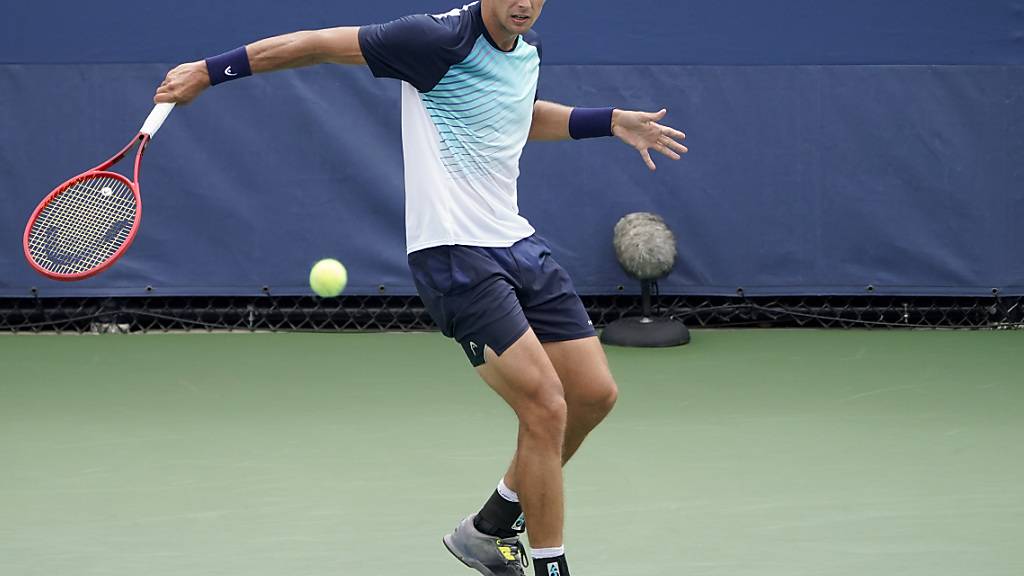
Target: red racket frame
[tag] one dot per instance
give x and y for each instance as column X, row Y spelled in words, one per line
column 99, row 171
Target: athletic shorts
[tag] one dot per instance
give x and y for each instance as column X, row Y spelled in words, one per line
column 488, row 297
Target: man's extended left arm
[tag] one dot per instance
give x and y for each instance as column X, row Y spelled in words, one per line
column 640, row 130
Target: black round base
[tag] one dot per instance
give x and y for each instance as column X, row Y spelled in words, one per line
column 646, row 333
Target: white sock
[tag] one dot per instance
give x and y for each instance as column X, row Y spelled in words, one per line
column 507, row 493
column 545, row 553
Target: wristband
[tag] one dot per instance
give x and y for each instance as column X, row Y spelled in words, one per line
column 228, row 66
column 590, row 123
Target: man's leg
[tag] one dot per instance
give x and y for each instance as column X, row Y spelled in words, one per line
column 590, row 389
column 590, row 393
column 526, row 379
column 558, row 317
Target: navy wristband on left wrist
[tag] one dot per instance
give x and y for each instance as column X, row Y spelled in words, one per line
column 228, row 66
column 590, row 123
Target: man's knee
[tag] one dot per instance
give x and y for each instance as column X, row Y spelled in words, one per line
column 609, row 396
column 598, row 397
column 545, row 414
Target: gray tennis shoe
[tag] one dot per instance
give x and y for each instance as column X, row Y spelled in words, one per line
column 487, row 555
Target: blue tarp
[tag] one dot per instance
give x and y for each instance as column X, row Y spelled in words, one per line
column 711, row 32
column 801, row 179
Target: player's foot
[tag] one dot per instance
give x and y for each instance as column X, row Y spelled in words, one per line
column 486, row 554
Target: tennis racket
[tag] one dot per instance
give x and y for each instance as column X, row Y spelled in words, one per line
column 88, row 222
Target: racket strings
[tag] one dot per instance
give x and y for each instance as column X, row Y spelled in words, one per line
column 84, row 226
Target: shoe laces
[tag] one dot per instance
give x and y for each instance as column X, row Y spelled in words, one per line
column 517, row 550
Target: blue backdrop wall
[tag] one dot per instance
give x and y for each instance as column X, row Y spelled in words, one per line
column 834, row 145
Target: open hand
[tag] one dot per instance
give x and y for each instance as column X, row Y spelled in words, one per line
column 642, row 131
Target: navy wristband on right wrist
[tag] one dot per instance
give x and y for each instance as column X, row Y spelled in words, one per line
column 228, row 66
column 590, row 123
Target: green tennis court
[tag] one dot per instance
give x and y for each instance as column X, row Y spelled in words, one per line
column 746, row 453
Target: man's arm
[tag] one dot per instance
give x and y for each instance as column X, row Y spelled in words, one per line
column 550, row 122
column 337, row 45
column 640, row 130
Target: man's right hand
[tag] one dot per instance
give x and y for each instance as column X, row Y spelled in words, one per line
column 184, row 83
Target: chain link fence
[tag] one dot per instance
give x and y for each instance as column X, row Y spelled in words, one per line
column 406, row 313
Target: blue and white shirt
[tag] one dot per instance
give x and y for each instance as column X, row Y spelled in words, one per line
column 467, row 108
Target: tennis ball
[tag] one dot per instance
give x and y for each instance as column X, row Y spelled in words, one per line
column 328, row 278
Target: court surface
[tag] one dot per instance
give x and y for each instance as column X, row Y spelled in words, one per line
column 755, row 453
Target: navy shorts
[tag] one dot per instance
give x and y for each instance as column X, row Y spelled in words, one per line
column 488, row 297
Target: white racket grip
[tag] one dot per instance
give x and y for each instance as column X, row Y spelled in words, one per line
column 156, row 118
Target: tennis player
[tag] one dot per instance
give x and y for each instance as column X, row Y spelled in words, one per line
column 469, row 105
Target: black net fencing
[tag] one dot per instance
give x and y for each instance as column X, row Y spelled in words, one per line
column 406, row 313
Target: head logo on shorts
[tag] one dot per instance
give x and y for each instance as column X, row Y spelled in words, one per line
column 473, row 347
column 553, row 569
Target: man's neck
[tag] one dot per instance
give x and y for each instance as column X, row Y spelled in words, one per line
column 498, row 34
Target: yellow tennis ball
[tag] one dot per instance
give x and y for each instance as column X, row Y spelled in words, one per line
column 328, row 278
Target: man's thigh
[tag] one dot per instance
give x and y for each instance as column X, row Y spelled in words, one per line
column 524, row 375
column 582, row 367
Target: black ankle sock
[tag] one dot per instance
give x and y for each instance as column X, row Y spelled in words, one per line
column 500, row 518
column 551, row 566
